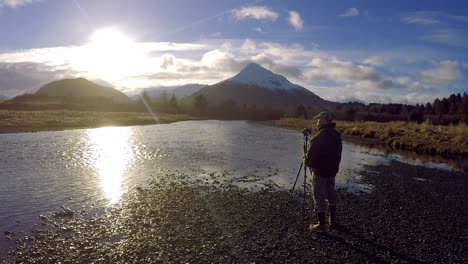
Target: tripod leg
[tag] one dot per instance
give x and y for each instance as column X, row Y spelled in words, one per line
column 297, row 177
column 304, row 198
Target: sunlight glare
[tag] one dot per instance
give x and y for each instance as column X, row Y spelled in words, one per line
column 112, row 153
column 111, row 55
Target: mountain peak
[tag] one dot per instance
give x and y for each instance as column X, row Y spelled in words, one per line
column 255, row 67
column 254, row 74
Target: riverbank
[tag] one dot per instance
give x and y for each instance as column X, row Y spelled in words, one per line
column 414, row 215
column 33, row 121
column 448, row 141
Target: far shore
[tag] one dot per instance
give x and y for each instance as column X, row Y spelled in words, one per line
column 447, row 141
column 56, row 120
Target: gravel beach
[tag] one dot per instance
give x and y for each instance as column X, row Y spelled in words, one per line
column 413, row 215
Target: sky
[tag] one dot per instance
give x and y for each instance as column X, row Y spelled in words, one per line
column 373, row 51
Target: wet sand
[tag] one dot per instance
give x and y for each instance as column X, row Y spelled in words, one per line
column 413, row 215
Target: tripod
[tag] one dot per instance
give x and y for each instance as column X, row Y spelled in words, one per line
column 306, row 132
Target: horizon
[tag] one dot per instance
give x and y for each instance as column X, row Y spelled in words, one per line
column 335, row 50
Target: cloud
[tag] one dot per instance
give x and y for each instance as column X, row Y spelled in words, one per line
column 410, row 98
column 444, row 28
column 215, row 34
column 259, row 30
column 249, row 45
column 451, row 37
column 340, row 71
column 465, row 65
column 350, row 74
column 27, row 77
column 295, row 20
column 375, row 61
column 283, row 69
column 221, row 60
column 255, row 12
column 16, row 3
column 404, row 81
column 419, row 20
column 167, row 60
column 350, row 12
column 444, row 73
column 431, row 18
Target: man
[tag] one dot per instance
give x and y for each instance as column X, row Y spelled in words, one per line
column 323, row 158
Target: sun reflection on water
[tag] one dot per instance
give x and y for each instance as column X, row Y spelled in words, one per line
column 111, row 154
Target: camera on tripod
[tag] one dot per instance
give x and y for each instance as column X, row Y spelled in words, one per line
column 306, row 132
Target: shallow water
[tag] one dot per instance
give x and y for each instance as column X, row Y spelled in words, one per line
column 94, row 167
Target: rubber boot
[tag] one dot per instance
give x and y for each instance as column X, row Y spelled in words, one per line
column 321, row 226
column 332, row 220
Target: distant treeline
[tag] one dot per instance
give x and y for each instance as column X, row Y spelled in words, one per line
column 451, row 110
column 200, row 106
column 445, row 111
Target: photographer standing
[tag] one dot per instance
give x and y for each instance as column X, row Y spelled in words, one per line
column 323, row 158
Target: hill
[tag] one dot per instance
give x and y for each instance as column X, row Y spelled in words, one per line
column 81, row 87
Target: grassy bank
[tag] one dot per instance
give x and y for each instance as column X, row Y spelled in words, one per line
column 404, row 220
column 422, row 138
column 31, row 121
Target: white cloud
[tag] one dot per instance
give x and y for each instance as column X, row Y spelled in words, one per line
column 295, row 20
column 259, row 30
column 167, row 61
column 444, row 73
column 215, row 35
column 27, row 77
column 431, row 18
column 375, row 61
column 249, row 45
column 419, row 20
column 404, row 81
column 16, row 3
column 465, row 65
column 350, row 12
column 340, row 71
column 451, row 37
column 441, row 25
column 255, row 12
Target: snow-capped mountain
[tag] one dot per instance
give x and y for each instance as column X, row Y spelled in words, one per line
column 255, row 85
column 255, row 74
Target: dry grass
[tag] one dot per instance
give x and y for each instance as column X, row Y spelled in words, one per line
column 421, row 138
column 30, row 121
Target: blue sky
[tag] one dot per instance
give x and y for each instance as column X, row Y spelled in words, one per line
column 371, row 51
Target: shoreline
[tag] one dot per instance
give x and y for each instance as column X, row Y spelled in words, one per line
column 60, row 120
column 405, row 220
column 449, row 141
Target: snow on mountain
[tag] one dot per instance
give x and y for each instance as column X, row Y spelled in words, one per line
column 255, row 74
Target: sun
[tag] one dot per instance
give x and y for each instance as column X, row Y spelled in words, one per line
column 110, row 55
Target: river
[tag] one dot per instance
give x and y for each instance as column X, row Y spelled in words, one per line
column 95, row 167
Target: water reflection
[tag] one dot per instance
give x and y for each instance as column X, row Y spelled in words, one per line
column 110, row 154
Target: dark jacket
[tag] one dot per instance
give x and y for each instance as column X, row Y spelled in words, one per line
column 324, row 152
